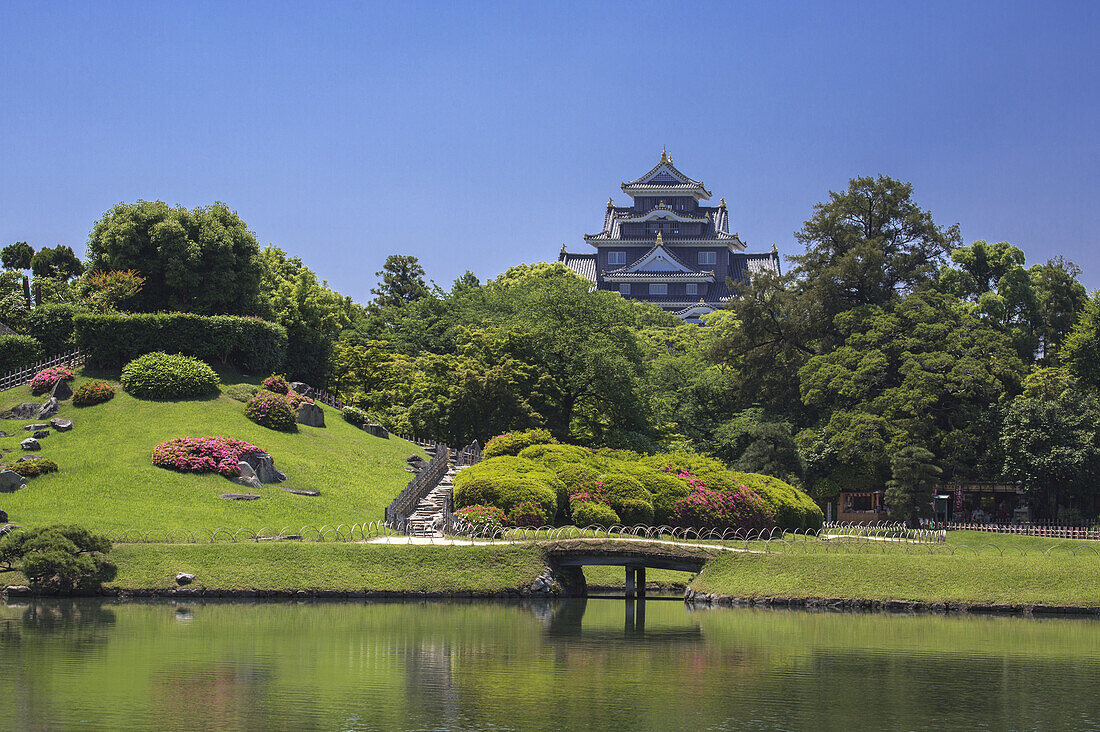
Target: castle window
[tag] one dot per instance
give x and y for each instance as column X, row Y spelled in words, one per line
column 624, row 288
column 708, row 257
column 692, row 288
column 658, row 288
column 616, row 257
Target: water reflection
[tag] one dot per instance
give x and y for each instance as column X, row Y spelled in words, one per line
column 577, row 664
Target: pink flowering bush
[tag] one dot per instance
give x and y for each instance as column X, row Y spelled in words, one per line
column 277, row 384
column 203, row 455
column 527, row 513
column 589, row 495
column 482, row 515
column 295, row 399
column 44, row 380
column 272, row 411
column 740, row 508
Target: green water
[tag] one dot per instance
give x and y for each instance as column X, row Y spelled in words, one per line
column 539, row 666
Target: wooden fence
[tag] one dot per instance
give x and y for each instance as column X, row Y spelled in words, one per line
column 1054, row 531
column 23, row 375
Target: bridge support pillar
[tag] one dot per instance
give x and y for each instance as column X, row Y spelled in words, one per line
column 639, row 576
column 629, row 582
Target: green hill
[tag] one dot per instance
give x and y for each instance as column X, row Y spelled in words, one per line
column 107, row 481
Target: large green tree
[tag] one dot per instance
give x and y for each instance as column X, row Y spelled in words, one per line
column 203, row 260
column 17, row 256
column 59, row 262
column 1081, row 351
column 401, row 281
column 913, row 478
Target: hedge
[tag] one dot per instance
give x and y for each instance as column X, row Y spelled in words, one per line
column 159, row 375
column 249, row 344
column 512, row 443
column 587, row 513
column 793, row 509
column 52, row 325
column 507, row 481
column 17, row 351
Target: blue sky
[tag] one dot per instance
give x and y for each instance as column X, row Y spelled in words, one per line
column 483, row 135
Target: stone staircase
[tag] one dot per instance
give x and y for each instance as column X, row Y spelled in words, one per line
column 427, row 519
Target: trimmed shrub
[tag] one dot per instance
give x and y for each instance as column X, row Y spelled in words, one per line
column 507, row 481
column 250, row 344
column 203, row 455
column 94, row 392
column 712, row 472
column 160, row 375
column 792, row 508
column 17, row 351
column 512, row 443
column 241, row 392
column 33, row 467
column 555, row 455
column 52, row 326
column 576, row 477
column 482, row 516
column 623, row 492
column 44, row 380
column 593, row 514
column 273, row 411
column 633, row 512
column 527, row 513
column 711, row 509
column 277, row 384
column 356, row 416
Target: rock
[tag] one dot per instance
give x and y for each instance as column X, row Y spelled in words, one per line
column 264, row 467
column 61, row 425
column 246, row 469
column 26, row 410
column 239, row 496
column 300, row 491
column 301, row 387
column 35, row 427
column 3, row 433
column 184, row 578
column 249, row 481
column 311, row 415
column 414, row 459
column 26, row 458
column 377, row 430
column 40, row 434
column 3, row 516
column 10, row 481
column 30, row 444
column 61, row 390
column 48, row 409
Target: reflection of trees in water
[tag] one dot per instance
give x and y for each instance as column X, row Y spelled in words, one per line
column 76, row 623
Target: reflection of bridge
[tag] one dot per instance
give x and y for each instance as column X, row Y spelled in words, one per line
column 635, row 557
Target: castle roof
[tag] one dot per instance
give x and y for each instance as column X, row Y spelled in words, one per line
column 664, row 177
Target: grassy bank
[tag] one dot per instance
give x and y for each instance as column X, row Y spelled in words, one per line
column 1056, row 579
column 107, row 480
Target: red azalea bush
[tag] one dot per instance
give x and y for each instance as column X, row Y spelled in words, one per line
column 277, row 384
column 482, row 515
column 203, row 455
column 272, row 411
column 527, row 513
column 589, row 495
column 295, row 399
column 710, row 509
column 44, row 380
column 94, row 392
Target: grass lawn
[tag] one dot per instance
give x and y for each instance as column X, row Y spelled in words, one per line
column 1054, row 579
column 107, row 481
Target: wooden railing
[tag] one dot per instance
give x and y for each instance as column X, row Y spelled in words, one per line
column 398, row 512
column 1054, row 531
column 24, row 374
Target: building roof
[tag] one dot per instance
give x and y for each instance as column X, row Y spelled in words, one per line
column 582, row 264
column 664, row 176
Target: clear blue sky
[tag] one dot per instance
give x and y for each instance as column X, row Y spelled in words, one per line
column 483, row 135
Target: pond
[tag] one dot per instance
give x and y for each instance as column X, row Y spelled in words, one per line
column 584, row 665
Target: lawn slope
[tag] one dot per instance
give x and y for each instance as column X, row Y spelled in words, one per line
column 107, row 480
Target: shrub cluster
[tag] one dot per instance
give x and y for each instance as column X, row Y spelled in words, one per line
column 587, row 513
column 250, row 344
column 241, row 392
column 160, row 375
column 16, row 351
column 277, row 384
column 482, row 516
column 272, row 411
column 512, row 443
column 527, row 513
column 203, row 455
column 52, row 325
column 34, row 466
column 94, row 392
column 44, row 380
column 711, row 509
column 296, row 400
column 356, row 416
column 508, row 481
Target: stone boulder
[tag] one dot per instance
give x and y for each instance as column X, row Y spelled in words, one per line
column 311, row 415
column 377, row 430
column 10, row 481
column 264, row 467
column 61, row 425
column 34, row 427
column 61, row 390
column 301, row 387
column 40, row 434
column 184, row 578
column 30, row 444
column 28, row 458
column 3, row 516
column 300, row 491
column 48, row 409
column 247, row 478
column 26, row 410
column 239, row 496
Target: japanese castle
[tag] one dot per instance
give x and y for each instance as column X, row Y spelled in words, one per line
column 667, row 249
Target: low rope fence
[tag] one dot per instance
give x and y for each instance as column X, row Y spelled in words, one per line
column 24, row 374
column 1053, row 531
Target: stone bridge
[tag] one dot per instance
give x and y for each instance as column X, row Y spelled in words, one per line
column 634, row 555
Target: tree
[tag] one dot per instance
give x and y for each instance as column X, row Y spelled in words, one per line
column 1081, row 349
column 107, row 291
column 772, row 451
column 402, row 282
column 61, row 557
column 1059, row 298
column 869, row 244
column 1052, row 446
column 910, row 489
column 203, row 260
column 17, row 256
column 60, row 262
